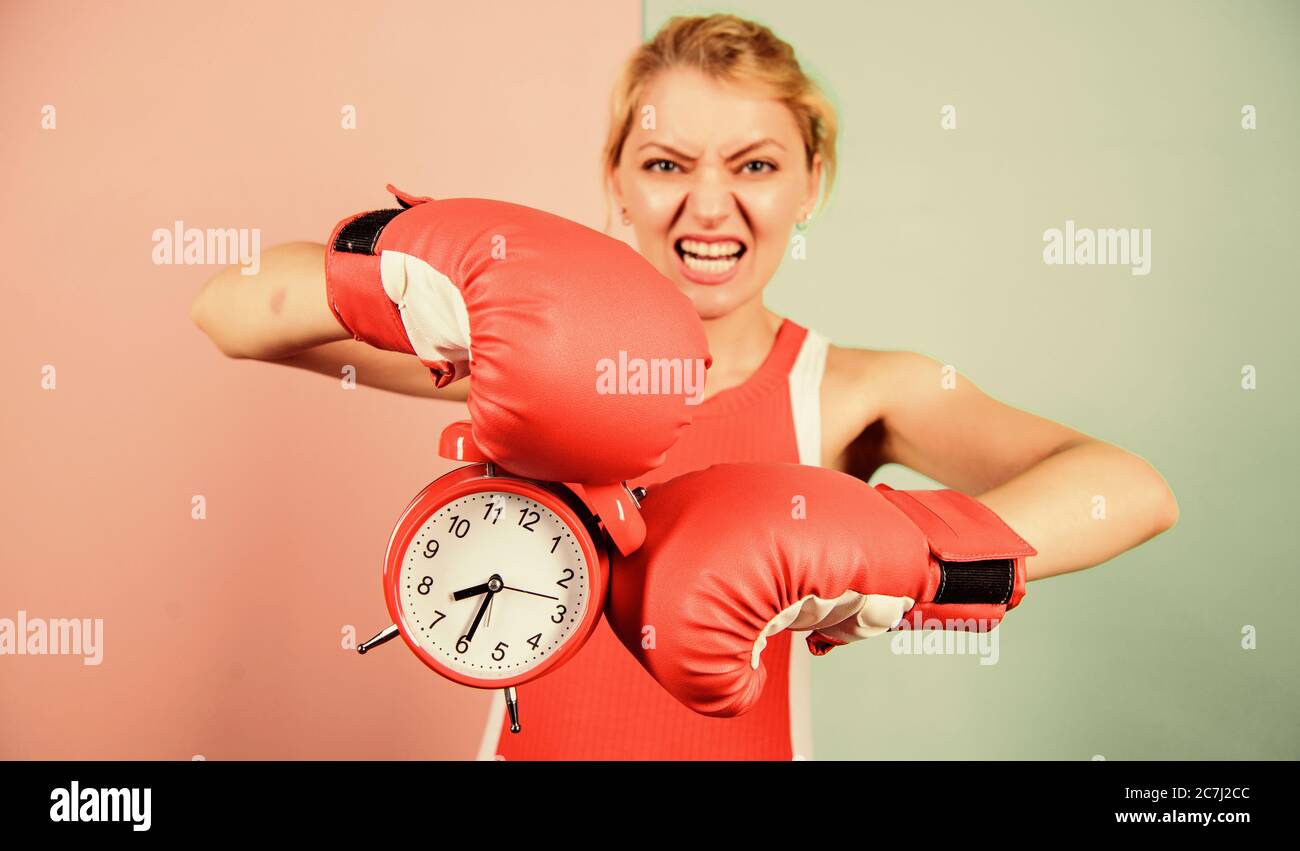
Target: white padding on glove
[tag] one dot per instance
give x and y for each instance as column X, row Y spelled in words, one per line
column 433, row 310
column 849, row 617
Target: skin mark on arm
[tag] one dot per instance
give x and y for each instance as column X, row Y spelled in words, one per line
column 277, row 301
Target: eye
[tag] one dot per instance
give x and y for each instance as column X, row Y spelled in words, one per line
column 770, row 166
column 660, row 166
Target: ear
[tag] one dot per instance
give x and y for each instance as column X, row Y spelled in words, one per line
column 615, row 184
column 814, row 184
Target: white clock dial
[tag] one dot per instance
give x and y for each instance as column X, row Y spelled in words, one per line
column 544, row 586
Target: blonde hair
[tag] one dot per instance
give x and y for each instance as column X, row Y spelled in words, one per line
column 732, row 49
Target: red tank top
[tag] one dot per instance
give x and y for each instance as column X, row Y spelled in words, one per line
column 601, row 704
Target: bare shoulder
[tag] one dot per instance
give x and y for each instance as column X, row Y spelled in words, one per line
column 898, row 375
column 855, row 377
column 858, row 388
column 851, row 395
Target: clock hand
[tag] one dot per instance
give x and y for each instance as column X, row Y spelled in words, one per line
column 494, row 584
column 478, row 617
column 523, row 591
column 470, row 592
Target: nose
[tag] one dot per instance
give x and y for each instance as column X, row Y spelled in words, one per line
column 709, row 199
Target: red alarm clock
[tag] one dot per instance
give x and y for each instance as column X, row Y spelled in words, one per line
column 493, row 579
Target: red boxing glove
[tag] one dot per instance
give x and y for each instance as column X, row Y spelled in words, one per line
column 585, row 361
column 738, row 552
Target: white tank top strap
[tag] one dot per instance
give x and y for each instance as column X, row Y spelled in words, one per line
column 805, row 397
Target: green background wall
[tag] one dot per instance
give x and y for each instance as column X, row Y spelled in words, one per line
column 1113, row 115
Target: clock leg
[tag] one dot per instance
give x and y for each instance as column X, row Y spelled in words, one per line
column 512, row 704
column 387, row 635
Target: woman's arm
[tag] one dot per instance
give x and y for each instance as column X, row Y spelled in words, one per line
column 1078, row 500
column 276, row 313
column 395, row 371
column 281, row 315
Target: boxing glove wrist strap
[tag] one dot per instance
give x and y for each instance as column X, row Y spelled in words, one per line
column 991, row 581
column 393, row 299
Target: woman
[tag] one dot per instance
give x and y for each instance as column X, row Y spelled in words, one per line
column 717, row 150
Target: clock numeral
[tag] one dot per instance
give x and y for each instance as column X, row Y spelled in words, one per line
column 493, row 511
column 535, row 640
column 462, row 646
column 560, row 582
column 440, row 617
column 500, row 648
column 523, row 515
column 558, row 617
column 425, row 586
column 430, row 549
column 556, row 543
column 459, row 527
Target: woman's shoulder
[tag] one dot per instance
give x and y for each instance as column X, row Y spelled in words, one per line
column 858, row 387
column 864, row 383
column 878, row 369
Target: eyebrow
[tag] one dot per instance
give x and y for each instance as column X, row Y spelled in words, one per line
column 754, row 145
column 750, row 147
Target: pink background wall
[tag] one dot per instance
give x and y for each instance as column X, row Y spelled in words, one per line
column 222, row 637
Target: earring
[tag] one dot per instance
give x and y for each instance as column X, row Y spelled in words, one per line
column 802, row 224
column 626, row 219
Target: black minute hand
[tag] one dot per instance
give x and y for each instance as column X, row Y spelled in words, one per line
column 487, row 598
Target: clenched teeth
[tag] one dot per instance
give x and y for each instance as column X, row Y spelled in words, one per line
column 711, row 267
column 710, row 249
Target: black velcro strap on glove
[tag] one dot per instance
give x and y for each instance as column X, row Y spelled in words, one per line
column 977, row 581
column 361, row 235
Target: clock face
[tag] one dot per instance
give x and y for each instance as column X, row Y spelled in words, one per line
column 519, row 572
